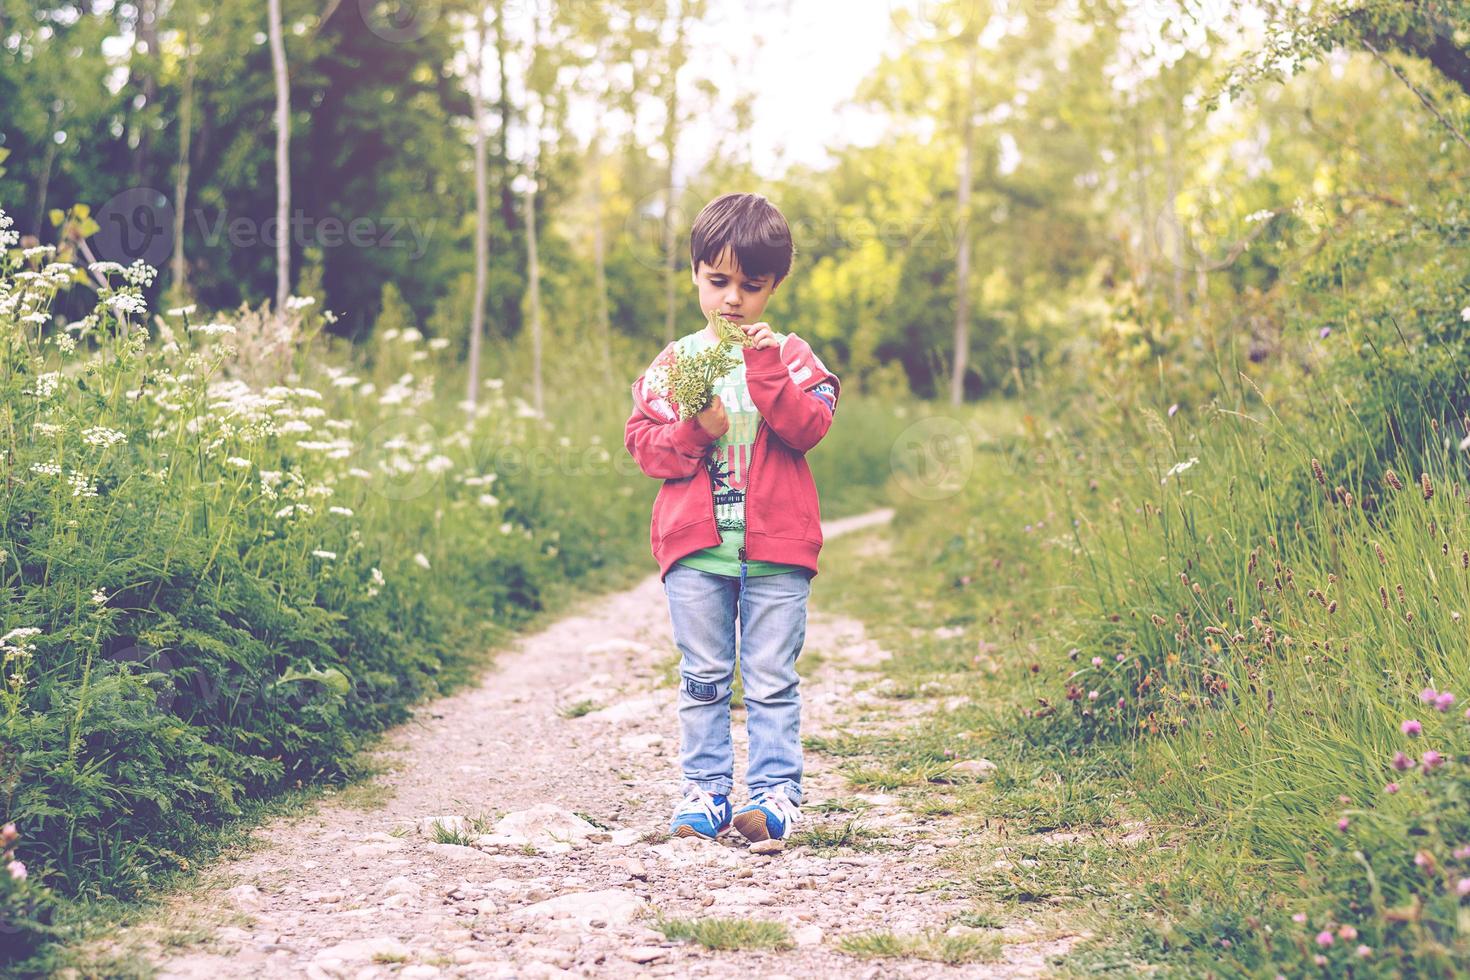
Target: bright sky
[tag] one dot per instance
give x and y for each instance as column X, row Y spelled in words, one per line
column 813, row 57
column 812, row 60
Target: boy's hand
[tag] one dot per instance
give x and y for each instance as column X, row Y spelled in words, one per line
column 762, row 334
column 713, row 419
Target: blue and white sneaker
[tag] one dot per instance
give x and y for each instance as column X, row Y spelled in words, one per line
column 701, row 815
column 769, row 816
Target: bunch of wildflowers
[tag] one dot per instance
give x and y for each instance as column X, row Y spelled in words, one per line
column 688, row 380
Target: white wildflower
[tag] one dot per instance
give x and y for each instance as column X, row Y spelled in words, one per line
column 126, row 303
column 140, row 273
column 238, row 462
column 340, row 511
column 1178, row 468
column 489, row 500
column 212, row 329
column 182, row 310
column 47, row 383
column 99, row 597
column 102, row 436
column 299, row 302
column 421, row 560
column 105, row 268
column 329, row 555
column 80, row 485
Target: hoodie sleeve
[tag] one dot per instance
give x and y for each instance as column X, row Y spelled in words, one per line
column 793, row 391
column 664, row 447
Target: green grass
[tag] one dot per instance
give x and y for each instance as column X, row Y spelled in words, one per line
column 727, row 933
column 933, row 945
column 578, row 708
column 849, row 835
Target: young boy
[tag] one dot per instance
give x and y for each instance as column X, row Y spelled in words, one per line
column 737, row 526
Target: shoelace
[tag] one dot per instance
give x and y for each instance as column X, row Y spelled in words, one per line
column 700, row 801
column 781, row 803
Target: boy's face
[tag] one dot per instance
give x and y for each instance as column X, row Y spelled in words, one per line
column 725, row 288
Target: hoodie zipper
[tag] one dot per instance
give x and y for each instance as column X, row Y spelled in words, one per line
column 751, row 469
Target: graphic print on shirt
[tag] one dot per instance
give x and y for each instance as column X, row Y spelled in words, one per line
column 728, row 462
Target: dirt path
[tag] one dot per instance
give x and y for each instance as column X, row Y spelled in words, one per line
column 359, row 887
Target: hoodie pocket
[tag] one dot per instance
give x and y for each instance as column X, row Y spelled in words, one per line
column 778, row 506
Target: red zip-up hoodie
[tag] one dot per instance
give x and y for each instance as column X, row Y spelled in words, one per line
column 783, row 520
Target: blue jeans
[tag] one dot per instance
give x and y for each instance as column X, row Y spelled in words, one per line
column 772, row 615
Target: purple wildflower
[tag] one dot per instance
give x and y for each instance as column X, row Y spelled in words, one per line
column 1411, row 727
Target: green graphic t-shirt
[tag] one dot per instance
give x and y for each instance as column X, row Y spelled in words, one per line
column 729, row 468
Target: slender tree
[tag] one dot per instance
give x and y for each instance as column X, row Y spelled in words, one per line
column 482, row 196
column 179, row 285
column 962, row 225
column 283, row 158
column 672, row 262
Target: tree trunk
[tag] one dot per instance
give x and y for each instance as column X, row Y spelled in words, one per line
column 43, row 182
column 599, row 256
column 180, row 284
column 962, row 256
column 482, row 207
column 671, row 132
column 1176, row 227
column 283, row 158
column 147, row 31
column 537, row 394
column 508, row 316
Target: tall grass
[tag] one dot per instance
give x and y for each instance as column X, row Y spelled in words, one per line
column 1260, row 605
